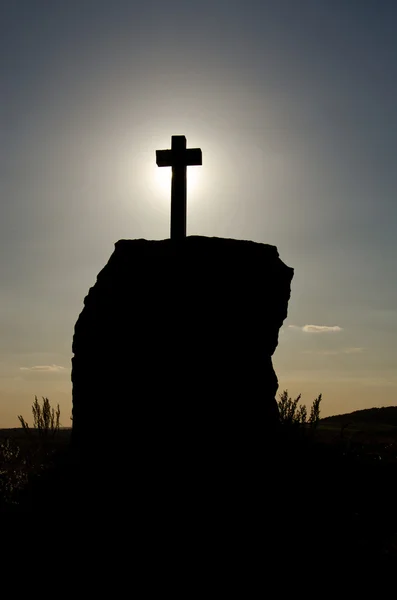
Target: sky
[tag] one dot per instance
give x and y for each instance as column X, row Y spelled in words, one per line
column 293, row 104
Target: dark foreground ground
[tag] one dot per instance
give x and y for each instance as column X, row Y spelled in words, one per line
column 328, row 499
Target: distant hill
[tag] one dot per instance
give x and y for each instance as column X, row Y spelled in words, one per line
column 387, row 415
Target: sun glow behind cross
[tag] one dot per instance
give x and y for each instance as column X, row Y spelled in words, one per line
column 150, row 184
column 156, row 182
column 162, row 179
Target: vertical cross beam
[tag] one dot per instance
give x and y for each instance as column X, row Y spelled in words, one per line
column 178, row 188
column 178, row 158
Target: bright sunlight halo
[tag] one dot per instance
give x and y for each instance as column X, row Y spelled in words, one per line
column 162, row 179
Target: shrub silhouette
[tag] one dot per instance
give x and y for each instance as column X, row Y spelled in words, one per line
column 292, row 415
column 315, row 412
column 45, row 419
column 30, row 463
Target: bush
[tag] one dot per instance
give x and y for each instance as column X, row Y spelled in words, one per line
column 292, row 415
column 45, row 419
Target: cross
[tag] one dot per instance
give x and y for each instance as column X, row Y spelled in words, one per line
column 178, row 158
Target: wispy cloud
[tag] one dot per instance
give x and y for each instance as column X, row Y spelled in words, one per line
column 321, row 328
column 335, row 352
column 317, row 328
column 44, row 369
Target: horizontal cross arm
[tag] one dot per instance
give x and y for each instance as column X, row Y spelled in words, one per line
column 185, row 158
column 164, row 158
column 194, row 157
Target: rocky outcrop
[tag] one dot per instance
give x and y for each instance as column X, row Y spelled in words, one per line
column 173, row 348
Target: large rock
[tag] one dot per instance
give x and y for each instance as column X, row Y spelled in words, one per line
column 172, row 351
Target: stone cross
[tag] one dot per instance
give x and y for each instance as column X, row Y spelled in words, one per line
column 178, row 158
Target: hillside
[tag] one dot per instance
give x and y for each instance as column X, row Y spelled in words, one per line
column 385, row 416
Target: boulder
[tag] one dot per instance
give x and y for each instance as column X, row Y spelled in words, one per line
column 173, row 350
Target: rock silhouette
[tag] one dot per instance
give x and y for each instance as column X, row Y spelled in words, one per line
column 172, row 351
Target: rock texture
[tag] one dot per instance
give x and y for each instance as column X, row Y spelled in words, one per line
column 172, row 351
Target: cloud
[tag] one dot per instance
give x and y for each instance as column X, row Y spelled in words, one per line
column 44, row 369
column 317, row 328
column 334, row 352
column 320, row 328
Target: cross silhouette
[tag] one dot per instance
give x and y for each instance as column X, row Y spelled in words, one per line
column 178, row 158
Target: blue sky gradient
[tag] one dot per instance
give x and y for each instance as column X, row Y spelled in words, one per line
column 293, row 104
